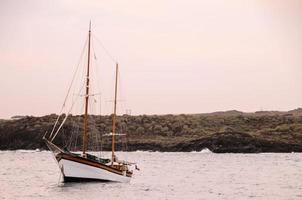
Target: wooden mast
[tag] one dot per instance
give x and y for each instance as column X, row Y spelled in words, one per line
column 85, row 135
column 114, row 114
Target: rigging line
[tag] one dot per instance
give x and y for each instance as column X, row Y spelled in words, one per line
column 59, row 128
column 98, row 85
column 93, row 125
column 62, row 123
column 78, row 120
column 94, row 139
column 72, row 134
column 73, row 78
column 74, row 131
column 68, row 92
column 97, row 72
column 73, row 103
column 96, row 68
column 123, row 100
column 106, row 51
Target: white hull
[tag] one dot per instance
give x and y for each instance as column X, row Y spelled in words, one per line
column 72, row 169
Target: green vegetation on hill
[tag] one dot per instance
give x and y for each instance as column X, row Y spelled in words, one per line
column 230, row 131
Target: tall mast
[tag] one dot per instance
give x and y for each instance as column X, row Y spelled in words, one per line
column 85, row 135
column 114, row 113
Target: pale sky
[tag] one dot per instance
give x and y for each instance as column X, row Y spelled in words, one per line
column 188, row 56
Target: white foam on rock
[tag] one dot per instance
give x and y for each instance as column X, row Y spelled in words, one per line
column 205, row 150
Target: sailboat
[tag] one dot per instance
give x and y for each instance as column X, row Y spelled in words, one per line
column 85, row 166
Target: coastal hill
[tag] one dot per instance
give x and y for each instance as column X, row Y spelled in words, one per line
column 229, row 131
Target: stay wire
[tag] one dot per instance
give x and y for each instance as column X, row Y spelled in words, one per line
column 73, row 78
column 73, row 103
column 104, row 48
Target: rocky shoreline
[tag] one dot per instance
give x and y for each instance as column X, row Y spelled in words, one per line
column 220, row 132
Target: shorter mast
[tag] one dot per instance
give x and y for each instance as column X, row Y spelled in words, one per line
column 114, row 114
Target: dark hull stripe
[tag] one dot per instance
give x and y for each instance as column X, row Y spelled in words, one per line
column 91, row 163
column 77, row 179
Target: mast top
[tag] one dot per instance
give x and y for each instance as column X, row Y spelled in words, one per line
column 90, row 26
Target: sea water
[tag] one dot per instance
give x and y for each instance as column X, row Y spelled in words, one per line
column 195, row 175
